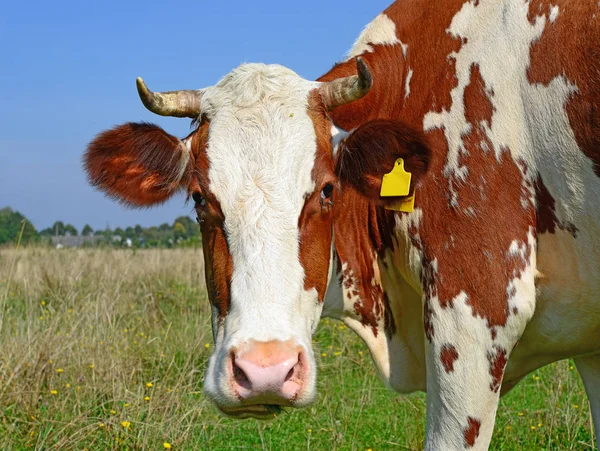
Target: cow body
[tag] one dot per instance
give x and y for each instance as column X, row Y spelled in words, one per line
column 493, row 106
column 506, row 224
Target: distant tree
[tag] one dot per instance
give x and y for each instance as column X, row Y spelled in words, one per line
column 119, row 231
column 87, row 230
column 47, row 232
column 14, row 227
column 71, row 230
column 191, row 226
column 130, row 233
column 138, row 230
column 58, row 228
column 179, row 231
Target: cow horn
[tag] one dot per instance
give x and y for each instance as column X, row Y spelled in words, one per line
column 184, row 103
column 345, row 90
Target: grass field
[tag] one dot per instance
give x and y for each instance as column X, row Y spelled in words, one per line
column 106, row 349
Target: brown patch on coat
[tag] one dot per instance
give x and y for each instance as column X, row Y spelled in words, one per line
column 315, row 223
column 218, row 263
column 362, row 227
column 498, row 362
column 570, row 47
column 361, row 231
column 547, row 222
column 471, row 432
column 448, row 356
column 218, row 268
column 478, row 106
column 469, row 236
column 427, row 56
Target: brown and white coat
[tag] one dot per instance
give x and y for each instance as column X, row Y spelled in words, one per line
column 494, row 107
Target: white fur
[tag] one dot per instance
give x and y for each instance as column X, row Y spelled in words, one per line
column 407, row 83
column 553, row 13
column 261, row 150
column 381, row 31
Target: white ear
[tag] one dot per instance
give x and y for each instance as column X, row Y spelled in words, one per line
column 337, row 136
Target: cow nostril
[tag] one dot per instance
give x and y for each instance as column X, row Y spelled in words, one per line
column 290, row 374
column 240, row 377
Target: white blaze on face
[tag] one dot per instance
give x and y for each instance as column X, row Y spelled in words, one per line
column 261, row 152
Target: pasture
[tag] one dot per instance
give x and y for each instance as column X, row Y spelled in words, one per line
column 106, row 349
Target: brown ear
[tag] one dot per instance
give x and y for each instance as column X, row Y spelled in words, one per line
column 138, row 164
column 371, row 150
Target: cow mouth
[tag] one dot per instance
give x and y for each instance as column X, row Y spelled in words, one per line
column 258, row 411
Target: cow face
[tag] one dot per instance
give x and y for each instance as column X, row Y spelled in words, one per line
column 260, row 169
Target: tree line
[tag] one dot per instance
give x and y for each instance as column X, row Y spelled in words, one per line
column 15, row 227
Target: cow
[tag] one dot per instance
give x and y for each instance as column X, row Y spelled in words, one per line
column 484, row 267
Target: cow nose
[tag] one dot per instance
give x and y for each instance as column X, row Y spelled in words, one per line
column 268, row 372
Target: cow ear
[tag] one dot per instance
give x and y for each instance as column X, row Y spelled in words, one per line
column 138, row 164
column 371, row 151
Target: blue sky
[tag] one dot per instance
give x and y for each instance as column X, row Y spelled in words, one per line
column 68, row 72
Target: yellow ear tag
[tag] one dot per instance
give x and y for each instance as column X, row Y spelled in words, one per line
column 397, row 184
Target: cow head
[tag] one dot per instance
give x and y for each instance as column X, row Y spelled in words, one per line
column 260, row 166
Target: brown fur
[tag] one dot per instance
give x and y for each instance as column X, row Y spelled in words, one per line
column 448, row 356
column 472, row 431
column 574, row 59
column 315, row 221
column 371, row 151
column 137, row 164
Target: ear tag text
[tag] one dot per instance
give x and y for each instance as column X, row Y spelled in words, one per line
column 397, row 184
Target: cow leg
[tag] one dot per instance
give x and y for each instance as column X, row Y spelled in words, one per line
column 465, row 366
column 589, row 370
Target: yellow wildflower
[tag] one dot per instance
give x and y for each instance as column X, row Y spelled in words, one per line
column 324, row 354
column 149, row 384
column 166, row 445
column 146, row 398
column 54, row 392
column 207, row 345
column 67, row 385
column 59, row 370
column 126, row 424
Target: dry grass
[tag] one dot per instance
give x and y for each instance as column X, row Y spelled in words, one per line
column 85, row 331
column 106, row 349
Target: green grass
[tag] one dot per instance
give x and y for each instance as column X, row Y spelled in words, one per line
column 104, row 349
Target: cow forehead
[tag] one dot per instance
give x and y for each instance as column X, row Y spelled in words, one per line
column 261, row 143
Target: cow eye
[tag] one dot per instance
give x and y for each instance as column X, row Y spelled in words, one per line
column 327, row 191
column 198, row 199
